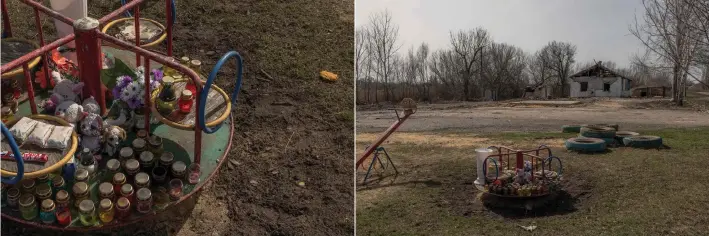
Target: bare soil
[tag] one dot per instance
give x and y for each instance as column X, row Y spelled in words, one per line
column 487, row 117
column 290, row 125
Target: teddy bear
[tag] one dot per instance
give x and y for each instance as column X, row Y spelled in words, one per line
column 90, row 129
column 71, row 112
column 64, row 90
column 91, row 106
column 112, row 138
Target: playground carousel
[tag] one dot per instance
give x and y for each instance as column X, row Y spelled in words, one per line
column 512, row 178
column 72, row 163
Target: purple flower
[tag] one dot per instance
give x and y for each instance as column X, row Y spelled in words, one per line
column 116, row 92
column 135, row 103
column 123, row 81
column 157, row 75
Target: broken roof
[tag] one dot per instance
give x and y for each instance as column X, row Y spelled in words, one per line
column 598, row 70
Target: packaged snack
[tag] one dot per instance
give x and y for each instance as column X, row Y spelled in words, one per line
column 22, row 129
column 60, row 137
column 27, row 156
column 40, row 134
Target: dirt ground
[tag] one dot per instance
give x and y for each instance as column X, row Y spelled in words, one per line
column 486, row 117
column 290, row 125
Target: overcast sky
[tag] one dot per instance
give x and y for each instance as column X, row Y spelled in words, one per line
column 599, row 28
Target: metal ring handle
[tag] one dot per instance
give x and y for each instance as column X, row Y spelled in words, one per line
column 18, row 157
column 172, row 3
column 201, row 119
column 550, row 159
column 497, row 168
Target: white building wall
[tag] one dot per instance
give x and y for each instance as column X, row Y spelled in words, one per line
column 595, row 88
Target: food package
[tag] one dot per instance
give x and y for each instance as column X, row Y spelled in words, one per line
column 22, row 129
column 40, row 134
column 60, row 137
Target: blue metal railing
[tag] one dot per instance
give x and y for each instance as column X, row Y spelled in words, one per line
column 201, row 119
column 18, row 157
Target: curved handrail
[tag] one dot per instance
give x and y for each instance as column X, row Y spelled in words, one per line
column 172, row 3
column 201, row 119
column 497, row 168
column 550, row 159
column 18, row 157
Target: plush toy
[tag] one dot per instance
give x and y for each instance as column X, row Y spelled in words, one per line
column 64, row 90
column 527, row 166
column 90, row 130
column 70, row 112
column 112, row 137
column 91, row 106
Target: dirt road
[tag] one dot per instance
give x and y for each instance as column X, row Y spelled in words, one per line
column 495, row 119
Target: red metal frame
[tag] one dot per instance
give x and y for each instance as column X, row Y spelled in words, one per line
column 384, row 136
column 519, row 156
column 89, row 56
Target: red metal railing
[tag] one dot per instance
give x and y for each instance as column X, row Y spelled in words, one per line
column 519, row 155
column 89, row 56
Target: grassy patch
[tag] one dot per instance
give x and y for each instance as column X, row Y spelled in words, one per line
column 623, row 192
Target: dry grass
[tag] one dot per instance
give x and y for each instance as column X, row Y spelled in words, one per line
column 623, row 192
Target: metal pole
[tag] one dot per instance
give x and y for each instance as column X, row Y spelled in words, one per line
column 136, row 23
column 381, row 139
column 6, row 28
column 88, row 52
column 45, row 64
column 169, row 16
column 30, row 90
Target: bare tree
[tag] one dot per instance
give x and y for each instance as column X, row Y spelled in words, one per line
column 468, row 46
column 384, row 34
column 668, row 32
column 422, row 72
column 505, row 67
column 560, row 59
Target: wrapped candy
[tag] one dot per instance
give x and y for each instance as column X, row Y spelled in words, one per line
column 60, row 137
column 22, row 129
column 27, row 156
column 40, row 134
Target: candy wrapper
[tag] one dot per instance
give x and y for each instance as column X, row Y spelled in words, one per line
column 59, row 139
column 40, row 134
column 27, row 156
column 23, row 128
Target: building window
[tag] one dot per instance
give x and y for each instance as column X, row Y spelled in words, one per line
column 606, row 87
column 584, row 86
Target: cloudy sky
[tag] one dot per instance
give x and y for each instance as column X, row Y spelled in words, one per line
column 599, row 28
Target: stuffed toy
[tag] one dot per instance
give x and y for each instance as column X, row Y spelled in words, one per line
column 64, row 90
column 90, row 130
column 91, row 106
column 70, row 112
column 112, row 138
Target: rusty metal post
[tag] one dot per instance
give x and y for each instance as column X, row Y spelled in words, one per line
column 146, row 98
column 45, row 59
column 30, row 90
column 88, row 53
column 168, row 13
column 136, row 23
column 520, row 160
column 6, row 28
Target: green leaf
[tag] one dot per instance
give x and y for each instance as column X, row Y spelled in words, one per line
column 109, row 76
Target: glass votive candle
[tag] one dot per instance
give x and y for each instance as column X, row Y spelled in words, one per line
column 147, row 161
column 194, row 173
column 166, row 160
column 144, row 200
column 13, row 196
column 175, row 189
column 159, row 174
column 178, row 169
column 28, row 206
column 122, row 208
column 48, row 210
column 142, row 180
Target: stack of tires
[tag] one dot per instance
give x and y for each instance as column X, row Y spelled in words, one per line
column 598, row 137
